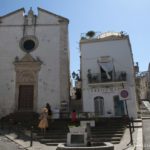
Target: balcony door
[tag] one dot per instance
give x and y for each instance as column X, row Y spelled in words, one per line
column 99, row 105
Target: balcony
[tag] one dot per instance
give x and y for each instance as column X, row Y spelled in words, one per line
column 101, row 78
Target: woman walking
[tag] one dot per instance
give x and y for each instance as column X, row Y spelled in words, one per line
column 43, row 124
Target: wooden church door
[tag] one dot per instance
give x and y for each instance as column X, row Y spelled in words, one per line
column 26, row 94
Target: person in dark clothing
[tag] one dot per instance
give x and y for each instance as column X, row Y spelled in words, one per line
column 49, row 109
column 49, row 114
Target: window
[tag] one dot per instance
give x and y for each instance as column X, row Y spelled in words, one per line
column 106, row 68
column 28, row 43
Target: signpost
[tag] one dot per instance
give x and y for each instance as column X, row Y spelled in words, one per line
column 124, row 95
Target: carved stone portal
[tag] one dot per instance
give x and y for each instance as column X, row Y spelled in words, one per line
column 27, row 75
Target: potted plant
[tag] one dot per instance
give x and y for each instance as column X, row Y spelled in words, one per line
column 90, row 34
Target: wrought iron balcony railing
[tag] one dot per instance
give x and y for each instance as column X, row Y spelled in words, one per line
column 102, row 78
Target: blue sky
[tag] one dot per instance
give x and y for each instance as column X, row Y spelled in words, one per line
column 131, row 16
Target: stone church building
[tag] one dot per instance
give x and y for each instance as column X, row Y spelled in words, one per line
column 34, row 61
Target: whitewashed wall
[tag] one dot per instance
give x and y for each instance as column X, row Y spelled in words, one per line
column 49, row 34
column 121, row 53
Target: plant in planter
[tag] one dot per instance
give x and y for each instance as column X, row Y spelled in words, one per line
column 77, row 129
column 90, row 34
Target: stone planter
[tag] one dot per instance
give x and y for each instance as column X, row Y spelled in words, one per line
column 80, row 129
column 101, row 146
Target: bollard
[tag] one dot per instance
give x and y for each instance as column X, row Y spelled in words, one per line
column 10, row 125
column 19, row 129
column 131, row 138
column 31, row 137
column 132, row 123
column 88, row 128
column 2, row 124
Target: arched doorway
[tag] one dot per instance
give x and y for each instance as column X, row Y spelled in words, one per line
column 99, row 105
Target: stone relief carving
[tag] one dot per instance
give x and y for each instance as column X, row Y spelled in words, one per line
column 26, row 77
column 27, row 69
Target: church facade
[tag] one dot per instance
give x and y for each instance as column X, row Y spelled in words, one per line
column 34, row 61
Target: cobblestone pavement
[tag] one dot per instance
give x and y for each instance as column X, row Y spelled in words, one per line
column 7, row 144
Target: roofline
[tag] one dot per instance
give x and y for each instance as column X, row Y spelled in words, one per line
column 102, row 39
column 40, row 9
column 11, row 13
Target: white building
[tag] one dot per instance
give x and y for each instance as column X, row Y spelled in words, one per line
column 107, row 68
column 148, row 83
column 144, row 84
column 34, row 61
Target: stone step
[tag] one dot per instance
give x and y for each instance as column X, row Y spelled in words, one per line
column 136, row 125
column 107, row 132
column 106, row 139
column 110, row 124
column 52, row 131
column 52, row 144
column 51, row 136
column 97, row 143
column 53, row 140
column 105, row 128
column 137, row 120
column 63, row 130
column 108, row 129
column 114, row 142
column 104, row 135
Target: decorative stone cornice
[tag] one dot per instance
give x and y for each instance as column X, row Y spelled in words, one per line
column 27, row 63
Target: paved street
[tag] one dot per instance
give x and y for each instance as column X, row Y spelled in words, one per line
column 146, row 133
column 6, row 144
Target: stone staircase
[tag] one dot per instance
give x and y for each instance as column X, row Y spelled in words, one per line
column 56, row 133
column 106, row 129
column 16, row 120
column 52, row 139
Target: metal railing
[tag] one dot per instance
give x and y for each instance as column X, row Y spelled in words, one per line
column 80, row 115
column 99, row 35
column 101, row 78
